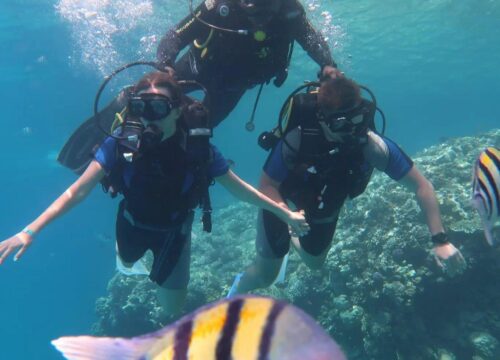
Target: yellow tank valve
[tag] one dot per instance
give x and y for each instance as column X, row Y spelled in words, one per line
column 259, row 35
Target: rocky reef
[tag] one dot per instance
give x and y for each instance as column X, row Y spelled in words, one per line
column 380, row 294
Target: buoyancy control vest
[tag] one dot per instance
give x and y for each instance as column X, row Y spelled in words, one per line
column 264, row 52
column 323, row 173
column 162, row 183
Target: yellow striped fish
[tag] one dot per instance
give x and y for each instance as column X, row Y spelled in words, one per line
column 486, row 190
column 239, row 328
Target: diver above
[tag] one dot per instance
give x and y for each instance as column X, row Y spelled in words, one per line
column 324, row 153
column 235, row 45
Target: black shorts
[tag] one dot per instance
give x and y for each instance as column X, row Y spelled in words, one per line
column 171, row 249
column 273, row 238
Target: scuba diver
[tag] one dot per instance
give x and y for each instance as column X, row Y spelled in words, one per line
column 323, row 152
column 158, row 156
column 238, row 44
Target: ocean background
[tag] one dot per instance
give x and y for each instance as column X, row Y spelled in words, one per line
column 433, row 65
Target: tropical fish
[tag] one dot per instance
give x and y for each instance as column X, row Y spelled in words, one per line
column 486, row 190
column 239, row 328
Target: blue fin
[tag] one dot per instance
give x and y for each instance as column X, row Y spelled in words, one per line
column 280, row 279
column 234, row 287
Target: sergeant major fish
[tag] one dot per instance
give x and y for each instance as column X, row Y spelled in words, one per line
column 240, row 328
column 486, row 190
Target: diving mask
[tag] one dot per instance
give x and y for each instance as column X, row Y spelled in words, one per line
column 151, row 107
column 346, row 120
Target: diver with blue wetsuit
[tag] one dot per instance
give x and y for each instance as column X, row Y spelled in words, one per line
column 158, row 156
column 322, row 153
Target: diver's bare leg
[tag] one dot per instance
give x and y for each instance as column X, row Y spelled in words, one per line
column 260, row 274
column 172, row 300
column 312, row 262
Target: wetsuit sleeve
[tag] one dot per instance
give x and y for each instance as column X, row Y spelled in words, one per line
column 311, row 40
column 275, row 166
column 185, row 32
column 106, row 154
column 283, row 157
column 219, row 165
column 399, row 164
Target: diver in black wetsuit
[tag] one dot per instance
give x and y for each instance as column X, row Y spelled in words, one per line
column 237, row 44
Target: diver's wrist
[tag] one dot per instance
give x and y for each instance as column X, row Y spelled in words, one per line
column 28, row 231
column 440, row 238
column 283, row 212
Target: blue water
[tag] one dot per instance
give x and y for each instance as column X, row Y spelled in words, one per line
column 433, row 65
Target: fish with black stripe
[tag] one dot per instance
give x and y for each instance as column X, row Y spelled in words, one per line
column 486, row 190
column 239, row 328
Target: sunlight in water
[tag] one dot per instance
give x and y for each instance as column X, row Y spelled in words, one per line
column 109, row 33
column 96, row 25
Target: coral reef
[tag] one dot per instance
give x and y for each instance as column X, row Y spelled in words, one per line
column 380, row 294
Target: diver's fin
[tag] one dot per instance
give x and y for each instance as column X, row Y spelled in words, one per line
column 280, row 279
column 139, row 267
column 77, row 152
column 234, row 286
column 93, row 348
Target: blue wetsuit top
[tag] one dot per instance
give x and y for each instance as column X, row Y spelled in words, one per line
column 278, row 169
column 145, row 198
column 106, row 155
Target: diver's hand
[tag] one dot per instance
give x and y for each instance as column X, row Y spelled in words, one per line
column 167, row 69
column 21, row 240
column 331, row 72
column 450, row 259
column 297, row 222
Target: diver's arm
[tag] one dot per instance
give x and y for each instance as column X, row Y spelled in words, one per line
column 447, row 256
column 249, row 194
column 270, row 188
column 312, row 41
column 72, row 196
column 378, row 153
column 393, row 161
column 426, row 198
column 186, row 31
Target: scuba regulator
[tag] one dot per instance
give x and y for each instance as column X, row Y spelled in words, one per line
column 254, row 9
column 259, row 12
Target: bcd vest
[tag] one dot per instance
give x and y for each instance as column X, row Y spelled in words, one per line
column 163, row 183
column 325, row 173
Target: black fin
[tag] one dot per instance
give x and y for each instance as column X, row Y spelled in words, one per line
column 78, row 150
